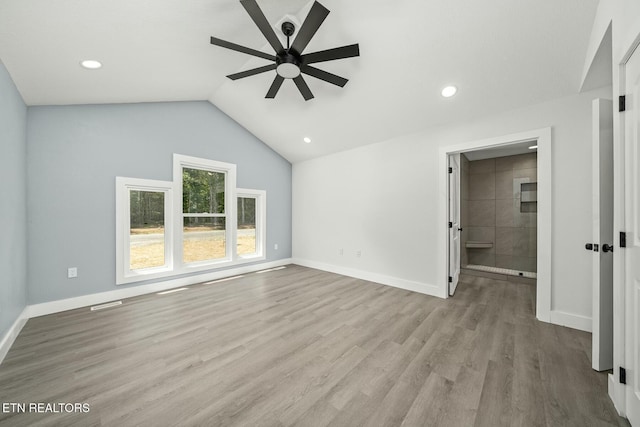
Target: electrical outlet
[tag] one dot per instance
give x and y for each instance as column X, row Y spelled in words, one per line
column 340, row 252
column 275, row 246
column 72, row 272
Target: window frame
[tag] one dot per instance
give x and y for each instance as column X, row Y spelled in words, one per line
column 173, row 214
column 124, row 186
column 179, row 163
column 261, row 222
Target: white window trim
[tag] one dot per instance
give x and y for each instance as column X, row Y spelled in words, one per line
column 123, row 273
column 261, row 222
column 174, row 222
column 179, row 162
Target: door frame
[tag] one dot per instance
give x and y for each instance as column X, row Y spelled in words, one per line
column 622, row 218
column 543, row 138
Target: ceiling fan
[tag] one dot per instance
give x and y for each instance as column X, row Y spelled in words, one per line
column 290, row 62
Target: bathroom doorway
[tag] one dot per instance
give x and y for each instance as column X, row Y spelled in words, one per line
column 498, row 210
column 518, row 220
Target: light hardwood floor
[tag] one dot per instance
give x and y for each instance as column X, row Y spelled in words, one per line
column 302, row 347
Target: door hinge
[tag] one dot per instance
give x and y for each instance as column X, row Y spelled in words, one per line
column 622, row 103
column 450, row 279
column 450, row 170
column 623, row 375
column 623, row 239
column 450, row 224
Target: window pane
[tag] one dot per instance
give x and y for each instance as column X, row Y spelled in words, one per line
column 246, row 225
column 146, row 222
column 202, row 191
column 203, row 239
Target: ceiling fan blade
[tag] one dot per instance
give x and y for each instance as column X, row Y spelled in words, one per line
column 303, row 88
column 332, row 54
column 323, row 75
column 223, row 43
column 252, row 72
column 260, row 20
column 275, row 86
column 312, row 22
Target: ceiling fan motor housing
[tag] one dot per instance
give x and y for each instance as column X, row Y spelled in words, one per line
column 288, row 65
column 288, row 61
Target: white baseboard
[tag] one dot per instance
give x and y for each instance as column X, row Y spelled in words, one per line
column 42, row 309
column 423, row 288
column 575, row 321
column 7, row 340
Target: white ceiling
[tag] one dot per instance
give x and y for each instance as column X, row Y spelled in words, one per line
column 502, row 54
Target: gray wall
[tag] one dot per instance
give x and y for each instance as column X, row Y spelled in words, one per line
column 13, row 215
column 496, row 214
column 75, row 153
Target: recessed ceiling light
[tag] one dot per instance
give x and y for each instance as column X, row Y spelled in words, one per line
column 449, row 91
column 533, row 147
column 307, row 139
column 91, row 64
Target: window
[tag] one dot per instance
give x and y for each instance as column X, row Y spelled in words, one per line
column 204, row 217
column 199, row 221
column 207, row 227
column 143, row 222
column 146, row 229
column 251, row 212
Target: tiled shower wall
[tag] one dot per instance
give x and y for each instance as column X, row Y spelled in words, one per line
column 495, row 213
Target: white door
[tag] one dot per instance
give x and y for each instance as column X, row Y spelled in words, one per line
column 631, row 119
column 602, row 173
column 454, row 222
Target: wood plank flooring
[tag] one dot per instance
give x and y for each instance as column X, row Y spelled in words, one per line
column 302, row 347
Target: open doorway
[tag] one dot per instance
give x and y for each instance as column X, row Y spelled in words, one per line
column 532, row 225
column 498, row 205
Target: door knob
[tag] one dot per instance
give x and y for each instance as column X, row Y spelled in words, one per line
column 459, row 229
column 588, row 246
column 607, row 248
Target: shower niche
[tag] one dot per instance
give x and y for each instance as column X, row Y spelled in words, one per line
column 529, row 197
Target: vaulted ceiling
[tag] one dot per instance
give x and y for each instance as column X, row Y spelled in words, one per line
column 501, row 54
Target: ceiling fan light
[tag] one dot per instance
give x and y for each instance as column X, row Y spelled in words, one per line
column 449, row 91
column 288, row 70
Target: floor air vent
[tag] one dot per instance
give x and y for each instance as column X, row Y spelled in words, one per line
column 171, row 291
column 222, row 280
column 107, row 305
column 271, row 269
